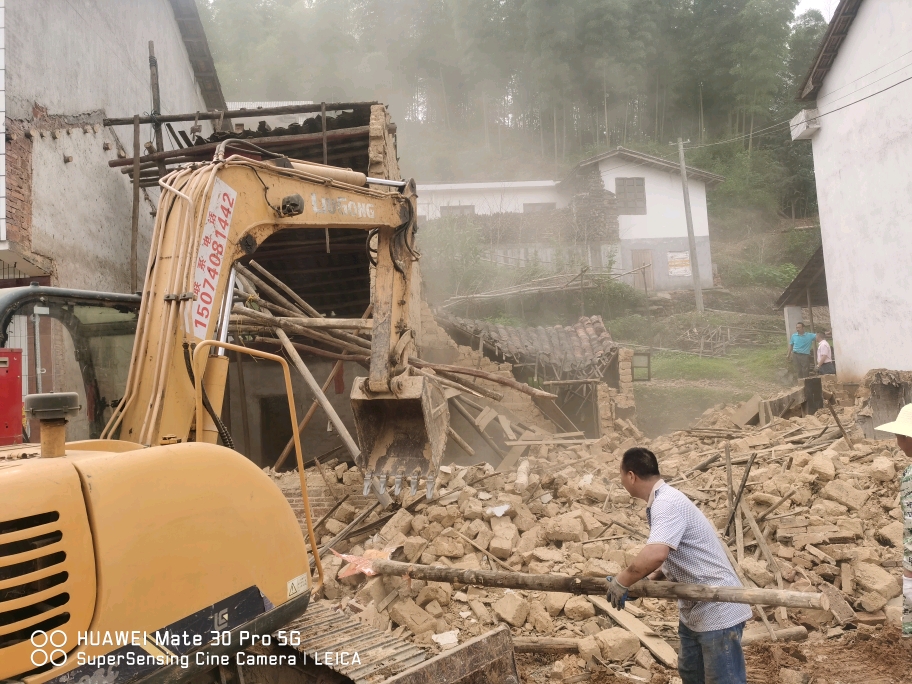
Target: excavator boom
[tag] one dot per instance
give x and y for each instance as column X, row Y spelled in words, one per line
column 213, row 215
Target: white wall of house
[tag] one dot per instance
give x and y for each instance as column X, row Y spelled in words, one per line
column 81, row 62
column 597, row 256
column 664, row 216
column 75, row 58
column 486, row 198
column 862, row 161
column 660, row 235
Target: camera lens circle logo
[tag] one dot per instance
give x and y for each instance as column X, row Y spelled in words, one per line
column 49, row 648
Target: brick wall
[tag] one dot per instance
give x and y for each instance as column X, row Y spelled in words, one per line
column 618, row 403
column 20, row 137
column 594, row 208
column 18, row 184
column 437, row 344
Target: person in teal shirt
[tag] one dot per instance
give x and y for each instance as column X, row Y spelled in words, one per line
column 800, row 348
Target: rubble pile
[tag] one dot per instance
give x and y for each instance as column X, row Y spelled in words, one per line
column 836, row 526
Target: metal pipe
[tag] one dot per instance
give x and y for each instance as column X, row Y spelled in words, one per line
column 198, row 356
column 164, row 208
column 384, row 181
column 37, row 323
column 226, row 311
column 134, row 225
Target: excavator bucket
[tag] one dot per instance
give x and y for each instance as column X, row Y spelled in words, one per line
column 403, row 436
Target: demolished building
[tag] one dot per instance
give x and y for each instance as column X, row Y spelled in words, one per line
column 816, row 511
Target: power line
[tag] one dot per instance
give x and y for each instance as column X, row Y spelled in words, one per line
column 740, row 137
column 846, row 85
column 905, row 66
column 866, row 97
column 764, row 131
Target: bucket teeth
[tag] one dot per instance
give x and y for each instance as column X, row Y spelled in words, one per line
column 367, row 484
column 413, row 485
column 430, row 487
column 381, row 484
column 398, row 487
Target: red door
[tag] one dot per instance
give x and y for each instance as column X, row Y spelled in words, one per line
column 10, row 396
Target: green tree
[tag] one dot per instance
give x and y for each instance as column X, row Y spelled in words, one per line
column 760, row 56
column 525, row 88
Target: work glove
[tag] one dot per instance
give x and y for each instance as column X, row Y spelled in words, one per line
column 617, row 593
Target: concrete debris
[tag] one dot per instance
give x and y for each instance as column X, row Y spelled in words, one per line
column 839, row 525
column 617, row 644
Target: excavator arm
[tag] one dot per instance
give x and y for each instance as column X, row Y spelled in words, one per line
column 212, row 215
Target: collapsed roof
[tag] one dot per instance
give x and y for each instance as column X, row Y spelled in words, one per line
column 584, row 350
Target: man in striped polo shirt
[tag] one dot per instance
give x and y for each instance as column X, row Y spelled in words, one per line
column 684, row 547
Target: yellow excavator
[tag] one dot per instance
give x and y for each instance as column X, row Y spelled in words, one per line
column 125, row 557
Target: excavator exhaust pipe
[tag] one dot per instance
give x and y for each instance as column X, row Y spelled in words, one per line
column 402, row 435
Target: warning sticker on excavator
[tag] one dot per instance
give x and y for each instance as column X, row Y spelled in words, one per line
column 297, row 586
column 210, row 256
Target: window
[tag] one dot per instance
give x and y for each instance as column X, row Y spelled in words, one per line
column 538, row 207
column 458, row 210
column 631, row 195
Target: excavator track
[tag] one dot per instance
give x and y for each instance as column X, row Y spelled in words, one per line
column 380, row 655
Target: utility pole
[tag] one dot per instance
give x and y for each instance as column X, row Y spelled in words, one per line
column 692, row 241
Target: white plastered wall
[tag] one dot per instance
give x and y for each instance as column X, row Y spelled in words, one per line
column 82, row 61
column 862, row 161
column 664, row 216
column 487, row 198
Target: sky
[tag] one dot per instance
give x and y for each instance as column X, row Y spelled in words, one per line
column 825, row 6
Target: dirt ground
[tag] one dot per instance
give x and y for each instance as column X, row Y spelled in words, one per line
column 879, row 656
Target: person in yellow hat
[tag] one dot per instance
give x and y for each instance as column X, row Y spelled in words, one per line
column 902, row 428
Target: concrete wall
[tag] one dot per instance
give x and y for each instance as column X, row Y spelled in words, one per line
column 2, row 120
column 862, row 158
column 81, row 212
column 664, row 217
column 77, row 57
column 660, row 247
column 598, row 256
column 70, row 64
column 263, row 380
column 487, row 198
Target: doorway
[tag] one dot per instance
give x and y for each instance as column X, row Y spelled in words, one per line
column 643, row 279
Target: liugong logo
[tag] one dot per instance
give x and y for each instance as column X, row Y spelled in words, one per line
column 49, row 648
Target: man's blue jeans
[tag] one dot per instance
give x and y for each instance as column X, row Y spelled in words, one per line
column 711, row 657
